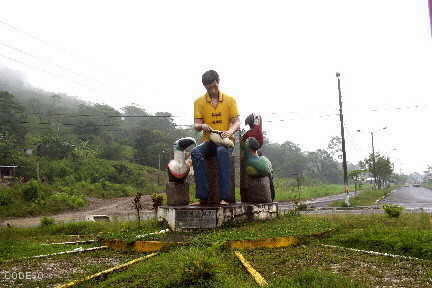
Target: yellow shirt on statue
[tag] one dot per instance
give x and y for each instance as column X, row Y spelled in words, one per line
column 218, row 118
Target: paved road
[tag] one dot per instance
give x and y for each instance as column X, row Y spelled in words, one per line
column 410, row 197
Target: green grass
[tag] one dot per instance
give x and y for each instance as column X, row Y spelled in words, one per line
column 204, row 263
column 315, row 278
column 13, row 249
column 60, row 269
column 289, row 192
column 22, row 242
column 68, row 184
column 52, row 199
column 427, row 185
column 318, row 266
column 409, row 235
column 282, row 226
column 366, row 197
column 183, row 267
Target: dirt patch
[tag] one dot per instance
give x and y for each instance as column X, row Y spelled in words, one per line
column 60, row 269
column 115, row 207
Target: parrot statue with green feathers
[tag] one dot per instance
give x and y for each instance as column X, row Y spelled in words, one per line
column 254, row 163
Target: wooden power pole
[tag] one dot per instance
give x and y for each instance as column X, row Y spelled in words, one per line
column 373, row 160
column 344, row 162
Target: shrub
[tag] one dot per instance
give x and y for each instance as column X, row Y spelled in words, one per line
column 47, row 221
column 197, row 272
column 393, row 210
column 5, row 197
column 65, row 200
column 301, row 206
column 31, row 190
column 157, row 200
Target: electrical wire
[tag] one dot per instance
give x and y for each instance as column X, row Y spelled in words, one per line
column 78, row 83
column 38, row 58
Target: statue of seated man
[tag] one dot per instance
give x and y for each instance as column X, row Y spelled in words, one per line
column 218, row 111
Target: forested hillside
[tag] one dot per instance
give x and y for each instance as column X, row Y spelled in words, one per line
column 73, row 147
column 59, row 127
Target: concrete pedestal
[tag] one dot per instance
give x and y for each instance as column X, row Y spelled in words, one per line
column 177, row 193
column 254, row 190
column 189, row 218
column 213, row 182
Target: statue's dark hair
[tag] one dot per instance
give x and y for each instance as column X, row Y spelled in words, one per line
column 209, row 77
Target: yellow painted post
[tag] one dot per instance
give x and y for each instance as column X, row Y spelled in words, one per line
column 255, row 274
column 265, row 243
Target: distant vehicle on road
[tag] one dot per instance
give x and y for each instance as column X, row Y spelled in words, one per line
column 416, row 185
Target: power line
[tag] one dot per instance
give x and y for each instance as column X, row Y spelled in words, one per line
column 80, row 84
column 12, row 27
column 63, row 50
column 61, row 67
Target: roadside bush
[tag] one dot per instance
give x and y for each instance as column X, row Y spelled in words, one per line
column 31, row 191
column 5, row 197
column 301, row 206
column 65, row 200
column 47, row 221
column 393, row 210
column 196, row 273
column 157, row 200
column 56, row 170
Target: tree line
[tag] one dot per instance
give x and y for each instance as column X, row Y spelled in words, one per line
column 57, row 126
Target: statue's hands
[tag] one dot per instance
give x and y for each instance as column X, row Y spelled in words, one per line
column 206, row 128
column 227, row 134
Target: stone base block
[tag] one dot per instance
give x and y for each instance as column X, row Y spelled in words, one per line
column 189, row 218
column 255, row 190
column 177, row 193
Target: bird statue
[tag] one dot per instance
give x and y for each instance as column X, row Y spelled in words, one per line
column 256, row 166
column 254, row 163
column 254, row 121
column 178, row 169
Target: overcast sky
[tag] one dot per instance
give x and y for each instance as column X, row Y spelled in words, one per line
column 278, row 58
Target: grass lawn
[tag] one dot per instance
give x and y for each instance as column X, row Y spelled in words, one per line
column 204, row 263
column 409, row 235
column 427, row 185
column 317, row 266
column 308, row 192
column 366, row 197
column 289, row 193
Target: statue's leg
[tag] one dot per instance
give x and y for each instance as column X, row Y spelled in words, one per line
column 198, row 155
column 224, row 171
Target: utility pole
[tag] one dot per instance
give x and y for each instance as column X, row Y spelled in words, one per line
column 159, row 167
column 159, row 164
column 373, row 159
column 344, row 162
